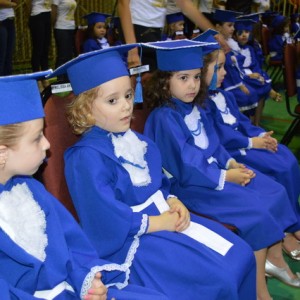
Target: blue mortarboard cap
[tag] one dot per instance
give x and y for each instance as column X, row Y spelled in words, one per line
column 20, row 98
column 208, row 37
column 176, row 17
column 178, row 55
column 244, row 24
column 277, row 20
column 95, row 17
column 225, row 15
column 254, row 17
column 91, row 69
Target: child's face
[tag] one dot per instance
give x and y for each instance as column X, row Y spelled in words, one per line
column 242, row 36
column 286, row 28
column 220, row 61
column 226, row 29
column 28, row 154
column 177, row 26
column 99, row 30
column 185, row 85
column 113, row 106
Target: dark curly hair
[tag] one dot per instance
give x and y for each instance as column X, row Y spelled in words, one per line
column 157, row 90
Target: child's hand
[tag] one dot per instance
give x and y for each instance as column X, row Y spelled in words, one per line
column 98, row 290
column 184, row 215
column 233, row 164
column 169, row 220
column 244, row 89
column 266, row 142
column 258, row 77
column 240, row 176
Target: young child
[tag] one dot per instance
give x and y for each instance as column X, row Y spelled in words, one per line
column 44, row 253
column 115, row 179
column 249, row 67
column 251, row 144
column 174, row 27
column 205, row 177
column 246, row 95
column 279, row 36
column 96, row 32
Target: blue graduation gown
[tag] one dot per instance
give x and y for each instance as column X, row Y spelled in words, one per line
column 92, row 45
column 234, row 79
column 258, row 53
column 276, row 44
column 248, row 62
column 261, row 210
column 170, row 262
column 69, row 255
column 282, row 165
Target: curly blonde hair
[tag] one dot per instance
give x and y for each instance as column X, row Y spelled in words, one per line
column 10, row 134
column 79, row 111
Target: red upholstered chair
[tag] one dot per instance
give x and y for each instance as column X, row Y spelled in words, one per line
column 80, row 37
column 60, row 136
column 291, row 52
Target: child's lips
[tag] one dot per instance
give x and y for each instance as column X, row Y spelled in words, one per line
column 191, row 94
column 126, row 119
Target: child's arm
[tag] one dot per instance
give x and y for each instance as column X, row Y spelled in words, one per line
column 244, row 89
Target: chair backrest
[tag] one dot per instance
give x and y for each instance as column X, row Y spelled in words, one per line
column 80, row 37
column 265, row 37
column 60, row 136
column 289, row 69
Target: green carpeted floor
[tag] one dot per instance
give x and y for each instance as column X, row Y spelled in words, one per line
column 276, row 118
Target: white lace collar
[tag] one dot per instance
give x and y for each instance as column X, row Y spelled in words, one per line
column 196, row 127
column 23, row 220
column 233, row 45
column 104, row 43
column 131, row 151
column 247, row 54
column 224, row 110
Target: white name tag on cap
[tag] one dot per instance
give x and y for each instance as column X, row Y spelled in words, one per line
column 60, row 88
column 139, row 69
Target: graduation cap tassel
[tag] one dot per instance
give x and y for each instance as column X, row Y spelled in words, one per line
column 138, row 94
column 213, row 83
column 214, row 80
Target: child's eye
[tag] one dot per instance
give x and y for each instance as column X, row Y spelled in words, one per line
column 129, row 96
column 112, row 101
column 183, row 78
column 198, row 77
column 40, row 136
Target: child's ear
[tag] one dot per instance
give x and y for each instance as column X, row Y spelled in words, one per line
column 3, row 155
